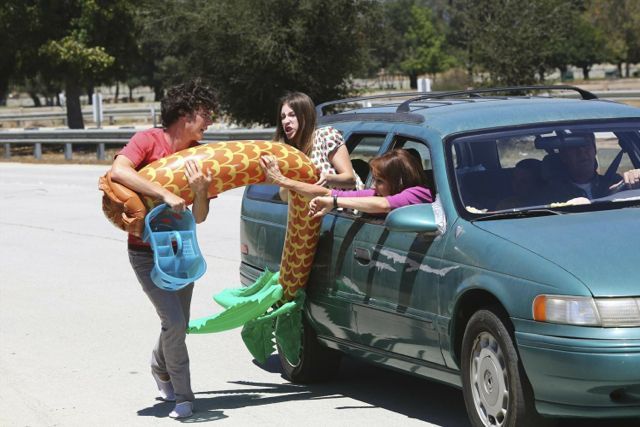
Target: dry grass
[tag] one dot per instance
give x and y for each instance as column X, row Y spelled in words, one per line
column 53, row 154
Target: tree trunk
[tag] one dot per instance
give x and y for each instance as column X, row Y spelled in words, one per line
column 626, row 69
column 619, row 69
column 4, row 91
column 158, row 92
column 130, row 94
column 117, row 93
column 563, row 72
column 413, row 80
column 36, row 99
column 585, row 72
column 74, row 110
column 90, row 94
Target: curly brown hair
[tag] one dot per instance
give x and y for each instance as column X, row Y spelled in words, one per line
column 186, row 99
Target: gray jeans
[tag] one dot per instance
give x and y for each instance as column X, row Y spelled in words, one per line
column 170, row 354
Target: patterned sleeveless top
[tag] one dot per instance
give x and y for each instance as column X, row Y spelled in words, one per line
column 327, row 140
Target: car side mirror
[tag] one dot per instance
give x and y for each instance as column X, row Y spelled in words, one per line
column 418, row 218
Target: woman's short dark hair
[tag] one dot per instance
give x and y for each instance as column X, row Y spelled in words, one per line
column 305, row 110
column 400, row 169
column 186, row 99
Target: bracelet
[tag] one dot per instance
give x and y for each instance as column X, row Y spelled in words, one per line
column 335, row 202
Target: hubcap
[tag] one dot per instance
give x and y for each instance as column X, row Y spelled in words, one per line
column 489, row 379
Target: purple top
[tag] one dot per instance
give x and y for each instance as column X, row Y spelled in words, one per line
column 408, row 196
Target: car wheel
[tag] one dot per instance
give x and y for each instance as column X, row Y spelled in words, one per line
column 495, row 387
column 317, row 363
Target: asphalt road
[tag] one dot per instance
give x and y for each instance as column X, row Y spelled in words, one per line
column 76, row 330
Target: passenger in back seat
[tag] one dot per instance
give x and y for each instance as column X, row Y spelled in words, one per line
column 526, row 185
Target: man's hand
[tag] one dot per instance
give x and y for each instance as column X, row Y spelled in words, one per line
column 198, row 181
column 176, row 203
column 632, row 178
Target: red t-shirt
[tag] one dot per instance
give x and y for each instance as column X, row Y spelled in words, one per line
column 143, row 148
column 146, row 147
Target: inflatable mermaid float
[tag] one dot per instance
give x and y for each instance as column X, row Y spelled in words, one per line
column 273, row 304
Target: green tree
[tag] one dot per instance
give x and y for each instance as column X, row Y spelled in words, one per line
column 16, row 27
column 423, row 47
column 313, row 46
column 74, row 62
column 588, row 45
column 620, row 21
column 508, row 41
column 253, row 51
column 68, row 43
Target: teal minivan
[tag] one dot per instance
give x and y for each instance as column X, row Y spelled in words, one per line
column 518, row 284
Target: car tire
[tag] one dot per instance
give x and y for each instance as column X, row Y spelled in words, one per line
column 495, row 388
column 317, row 363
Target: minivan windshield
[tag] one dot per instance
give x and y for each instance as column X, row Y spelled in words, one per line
column 547, row 169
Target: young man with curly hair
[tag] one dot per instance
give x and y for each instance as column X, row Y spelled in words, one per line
column 187, row 112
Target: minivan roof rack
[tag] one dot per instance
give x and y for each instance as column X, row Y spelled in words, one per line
column 320, row 107
column 404, row 107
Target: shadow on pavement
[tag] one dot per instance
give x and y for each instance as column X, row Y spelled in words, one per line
column 373, row 386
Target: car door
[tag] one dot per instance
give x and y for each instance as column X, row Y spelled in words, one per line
column 331, row 291
column 395, row 275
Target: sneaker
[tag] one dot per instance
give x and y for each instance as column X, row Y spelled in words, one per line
column 165, row 388
column 182, row 410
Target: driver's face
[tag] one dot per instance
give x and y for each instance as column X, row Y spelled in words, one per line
column 580, row 162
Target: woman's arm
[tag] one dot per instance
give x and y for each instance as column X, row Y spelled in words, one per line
column 273, row 176
column 344, row 176
column 365, row 201
column 123, row 172
column 320, row 206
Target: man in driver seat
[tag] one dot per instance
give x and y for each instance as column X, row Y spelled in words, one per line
column 580, row 177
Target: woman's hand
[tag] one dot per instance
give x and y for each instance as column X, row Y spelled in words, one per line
column 323, row 180
column 198, row 181
column 320, row 206
column 272, row 173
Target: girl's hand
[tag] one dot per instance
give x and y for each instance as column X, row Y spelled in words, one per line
column 272, row 173
column 198, row 181
column 320, row 206
column 323, row 180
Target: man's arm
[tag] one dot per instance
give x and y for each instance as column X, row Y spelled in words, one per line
column 199, row 183
column 123, row 172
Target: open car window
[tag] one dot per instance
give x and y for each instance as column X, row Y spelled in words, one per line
column 546, row 167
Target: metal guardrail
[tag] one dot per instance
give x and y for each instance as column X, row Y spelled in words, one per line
column 109, row 115
column 103, row 137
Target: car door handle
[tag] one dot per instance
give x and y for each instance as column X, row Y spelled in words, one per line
column 362, row 255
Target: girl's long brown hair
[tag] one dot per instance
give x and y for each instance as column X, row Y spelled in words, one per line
column 305, row 111
column 400, row 169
